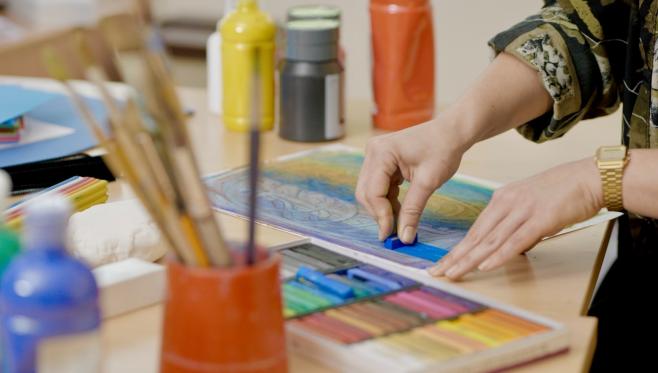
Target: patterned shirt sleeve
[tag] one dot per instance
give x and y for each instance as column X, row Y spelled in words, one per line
column 575, row 47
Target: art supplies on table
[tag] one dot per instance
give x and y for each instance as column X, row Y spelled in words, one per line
column 16, row 103
column 403, row 63
column 214, row 82
column 31, row 177
column 133, row 234
column 49, row 300
column 243, row 31
column 355, row 316
column 318, row 11
column 10, row 130
column 312, row 193
column 82, row 193
column 315, row 11
column 51, row 126
column 129, row 285
column 312, row 96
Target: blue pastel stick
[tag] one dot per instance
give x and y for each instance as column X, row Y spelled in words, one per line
column 420, row 250
column 359, row 274
column 393, row 242
column 324, row 283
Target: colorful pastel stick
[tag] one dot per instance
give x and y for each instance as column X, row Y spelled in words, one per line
column 324, row 283
column 311, row 289
column 386, row 284
column 394, row 242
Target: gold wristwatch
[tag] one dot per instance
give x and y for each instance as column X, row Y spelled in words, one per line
column 611, row 161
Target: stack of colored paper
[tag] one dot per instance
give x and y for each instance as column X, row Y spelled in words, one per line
column 10, row 130
column 83, row 192
column 16, row 103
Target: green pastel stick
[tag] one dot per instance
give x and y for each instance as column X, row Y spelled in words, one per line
column 307, row 298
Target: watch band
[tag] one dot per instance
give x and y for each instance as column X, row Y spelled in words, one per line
column 612, row 194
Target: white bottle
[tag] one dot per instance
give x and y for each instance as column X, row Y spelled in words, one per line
column 214, row 64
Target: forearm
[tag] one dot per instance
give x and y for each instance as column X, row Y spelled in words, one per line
column 506, row 95
column 640, row 183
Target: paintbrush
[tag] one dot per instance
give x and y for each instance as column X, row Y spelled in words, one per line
column 114, row 156
column 254, row 155
column 163, row 106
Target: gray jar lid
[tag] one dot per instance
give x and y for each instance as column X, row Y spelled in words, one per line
column 314, row 12
column 312, row 40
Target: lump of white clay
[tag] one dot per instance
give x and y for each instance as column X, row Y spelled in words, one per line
column 115, row 231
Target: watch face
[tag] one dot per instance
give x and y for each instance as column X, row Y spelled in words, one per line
column 611, row 153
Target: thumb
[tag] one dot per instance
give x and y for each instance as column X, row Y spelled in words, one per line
column 412, row 208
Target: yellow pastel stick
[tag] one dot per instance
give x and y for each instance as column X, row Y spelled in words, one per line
column 436, row 349
column 467, row 324
column 85, row 199
column 81, row 204
column 509, row 319
column 92, row 188
column 395, row 343
column 421, row 346
column 287, row 312
column 348, row 319
column 460, row 329
column 92, row 202
column 454, row 341
column 494, row 328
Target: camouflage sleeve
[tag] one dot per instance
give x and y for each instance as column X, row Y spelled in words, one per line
column 578, row 47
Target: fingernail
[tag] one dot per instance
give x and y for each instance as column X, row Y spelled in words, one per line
column 439, row 269
column 436, row 270
column 486, row 265
column 408, row 234
column 452, row 271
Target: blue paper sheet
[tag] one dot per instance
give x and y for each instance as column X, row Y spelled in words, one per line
column 16, row 101
column 55, row 108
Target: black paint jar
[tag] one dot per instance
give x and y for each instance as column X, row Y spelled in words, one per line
column 311, row 100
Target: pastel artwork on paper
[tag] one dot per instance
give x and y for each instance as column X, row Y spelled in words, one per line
column 312, row 194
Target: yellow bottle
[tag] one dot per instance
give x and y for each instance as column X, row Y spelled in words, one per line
column 243, row 31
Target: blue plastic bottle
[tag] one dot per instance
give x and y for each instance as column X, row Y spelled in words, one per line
column 9, row 243
column 49, row 300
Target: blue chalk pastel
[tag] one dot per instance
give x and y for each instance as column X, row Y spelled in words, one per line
column 393, row 242
column 325, row 283
column 360, row 274
column 423, row 251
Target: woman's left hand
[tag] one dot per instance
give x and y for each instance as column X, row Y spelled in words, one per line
column 521, row 213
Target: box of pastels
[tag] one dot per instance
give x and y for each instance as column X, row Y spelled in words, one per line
column 338, row 307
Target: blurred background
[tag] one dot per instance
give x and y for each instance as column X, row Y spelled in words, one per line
column 461, row 33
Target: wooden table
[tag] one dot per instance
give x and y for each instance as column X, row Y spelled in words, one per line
column 555, row 279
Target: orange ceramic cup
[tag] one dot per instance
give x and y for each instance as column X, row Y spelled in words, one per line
column 224, row 319
column 403, row 62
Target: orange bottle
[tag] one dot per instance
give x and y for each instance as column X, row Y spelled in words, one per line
column 403, row 62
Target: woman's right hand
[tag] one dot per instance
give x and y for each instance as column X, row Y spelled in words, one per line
column 426, row 155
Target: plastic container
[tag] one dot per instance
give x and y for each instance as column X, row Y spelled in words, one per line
column 9, row 242
column 224, row 319
column 214, row 63
column 403, row 62
column 245, row 31
column 49, row 300
column 311, row 79
column 306, row 12
column 329, row 12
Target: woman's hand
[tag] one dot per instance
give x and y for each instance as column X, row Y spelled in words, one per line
column 520, row 214
column 426, row 155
